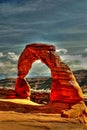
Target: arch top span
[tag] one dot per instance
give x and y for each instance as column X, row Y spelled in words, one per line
column 64, row 85
column 32, row 52
column 40, row 46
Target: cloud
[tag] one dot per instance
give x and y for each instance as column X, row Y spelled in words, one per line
column 7, row 65
column 39, row 69
column 62, row 50
column 75, row 62
column 8, row 68
column 71, row 57
column 85, row 50
column 15, row 8
column 49, row 21
column 12, row 56
column 42, row 20
column 1, row 54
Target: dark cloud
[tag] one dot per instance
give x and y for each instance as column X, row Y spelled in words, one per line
column 42, row 20
column 59, row 22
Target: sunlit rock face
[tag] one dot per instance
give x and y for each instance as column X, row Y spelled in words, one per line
column 64, row 86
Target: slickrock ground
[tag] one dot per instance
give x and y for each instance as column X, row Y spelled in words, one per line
column 11, row 120
column 16, row 114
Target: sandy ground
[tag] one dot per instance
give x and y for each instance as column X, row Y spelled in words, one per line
column 12, row 119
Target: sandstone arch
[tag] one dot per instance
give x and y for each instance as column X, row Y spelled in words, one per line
column 64, row 86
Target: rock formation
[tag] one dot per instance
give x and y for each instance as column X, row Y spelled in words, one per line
column 64, row 87
column 22, row 88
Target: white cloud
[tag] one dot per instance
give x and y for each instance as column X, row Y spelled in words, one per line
column 37, row 61
column 8, row 68
column 62, row 50
column 1, row 54
column 75, row 62
column 12, row 56
column 85, row 50
column 71, row 57
column 39, row 69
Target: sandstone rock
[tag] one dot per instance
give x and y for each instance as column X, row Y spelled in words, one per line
column 66, row 94
column 22, row 88
column 64, row 86
column 76, row 110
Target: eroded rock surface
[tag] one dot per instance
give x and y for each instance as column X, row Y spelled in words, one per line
column 64, row 86
column 64, row 90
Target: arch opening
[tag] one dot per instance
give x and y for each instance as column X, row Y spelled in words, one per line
column 39, row 69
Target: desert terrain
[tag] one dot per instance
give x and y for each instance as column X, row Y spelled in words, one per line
column 36, row 114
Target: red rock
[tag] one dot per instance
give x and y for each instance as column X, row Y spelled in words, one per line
column 22, row 88
column 64, row 86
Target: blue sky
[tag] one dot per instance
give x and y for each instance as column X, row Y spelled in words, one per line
column 59, row 22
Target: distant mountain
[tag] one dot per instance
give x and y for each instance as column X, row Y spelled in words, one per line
column 35, row 83
column 81, row 76
column 44, row 83
column 7, row 83
column 40, row 83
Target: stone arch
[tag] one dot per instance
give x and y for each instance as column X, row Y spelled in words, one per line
column 64, row 86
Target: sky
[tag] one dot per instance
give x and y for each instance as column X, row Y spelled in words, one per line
column 62, row 23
